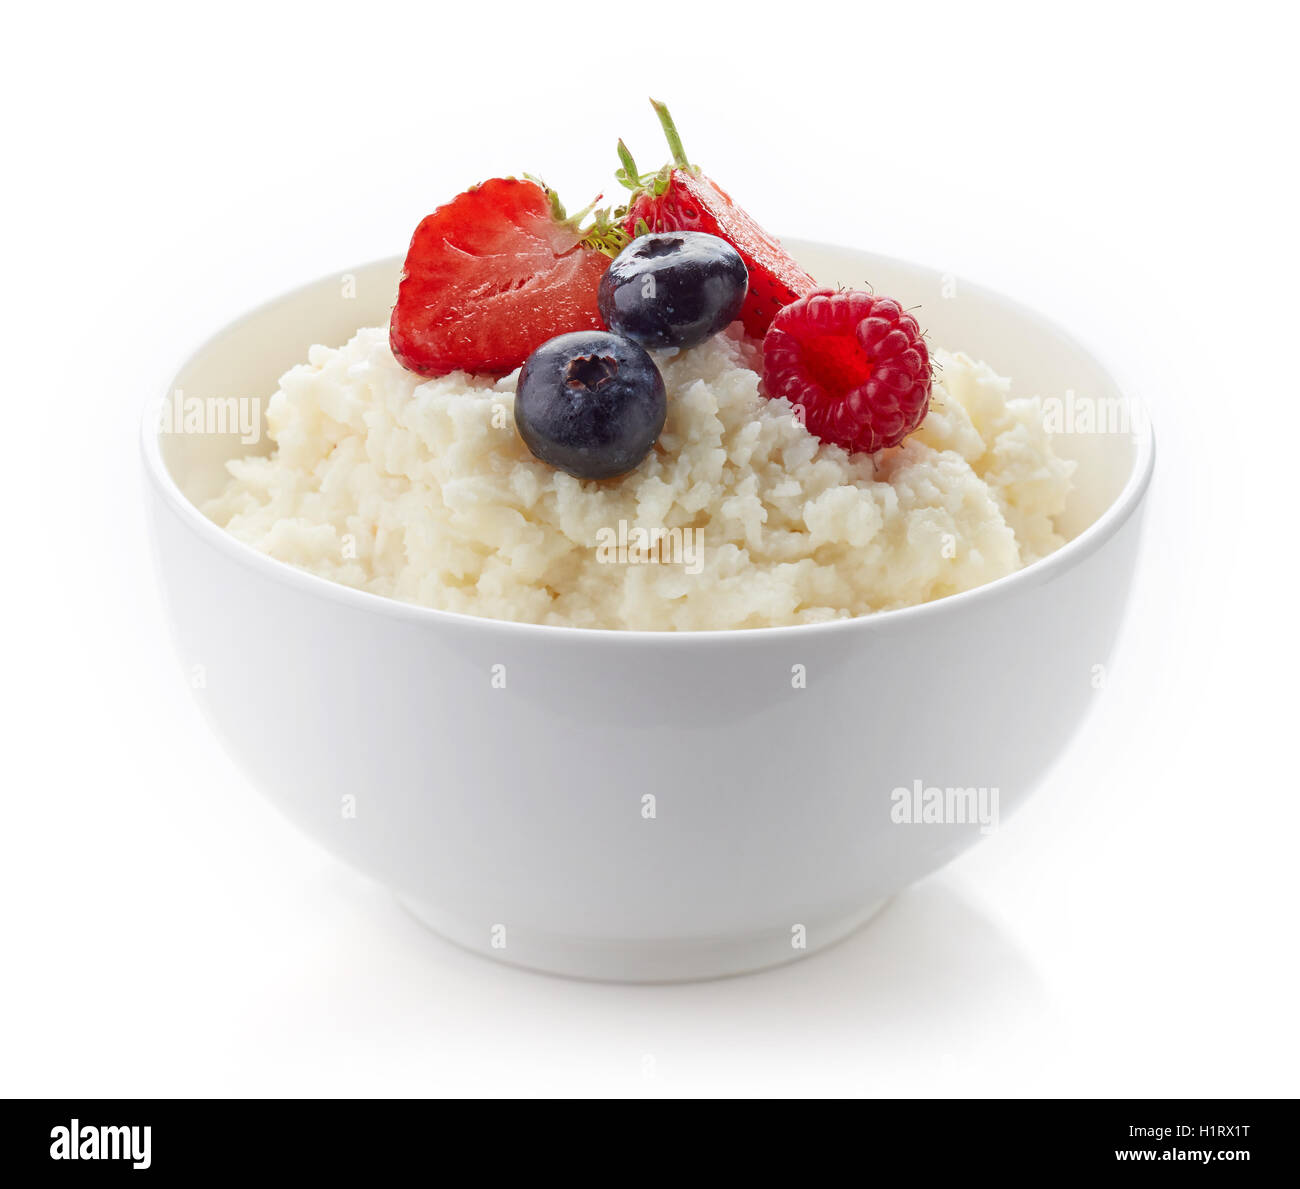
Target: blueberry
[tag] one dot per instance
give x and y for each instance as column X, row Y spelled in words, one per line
column 590, row 403
column 673, row 288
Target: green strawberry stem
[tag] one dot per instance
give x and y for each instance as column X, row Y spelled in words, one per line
column 673, row 137
column 628, row 174
column 605, row 235
column 602, row 234
column 576, row 220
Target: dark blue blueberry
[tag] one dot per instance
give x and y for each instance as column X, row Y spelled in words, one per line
column 590, row 403
column 673, row 288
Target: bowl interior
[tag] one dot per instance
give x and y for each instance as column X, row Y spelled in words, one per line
column 246, row 359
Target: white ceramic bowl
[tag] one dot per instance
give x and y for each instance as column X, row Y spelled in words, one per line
column 514, row 821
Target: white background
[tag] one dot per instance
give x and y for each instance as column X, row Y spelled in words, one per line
column 1128, row 169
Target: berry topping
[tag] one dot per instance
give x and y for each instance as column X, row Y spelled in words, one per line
column 673, row 289
column 855, row 363
column 590, row 403
column 491, row 276
column 681, row 198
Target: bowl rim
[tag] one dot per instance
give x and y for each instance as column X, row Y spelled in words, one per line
column 1046, row 569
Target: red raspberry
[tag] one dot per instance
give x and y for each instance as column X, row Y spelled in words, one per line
column 854, row 362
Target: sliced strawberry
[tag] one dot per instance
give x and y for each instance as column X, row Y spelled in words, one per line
column 681, row 198
column 490, row 277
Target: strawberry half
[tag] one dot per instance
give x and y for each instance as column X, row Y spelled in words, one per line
column 681, row 198
column 490, row 277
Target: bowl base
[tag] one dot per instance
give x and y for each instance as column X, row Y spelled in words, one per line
column 652, row 961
